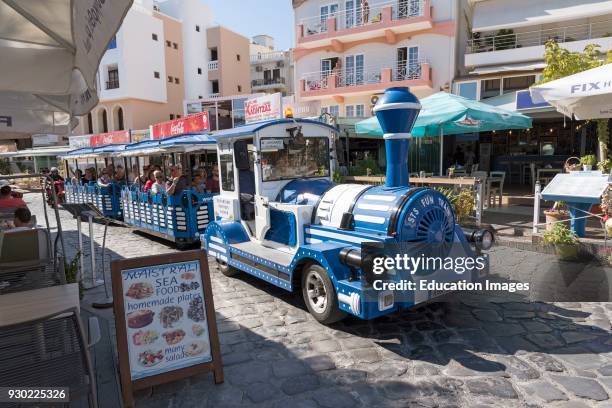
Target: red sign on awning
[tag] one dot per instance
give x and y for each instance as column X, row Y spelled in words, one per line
column 103, row 139
column 189, row 124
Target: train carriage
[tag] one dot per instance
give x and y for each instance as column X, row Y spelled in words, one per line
column 280, row 217
column 180, row 218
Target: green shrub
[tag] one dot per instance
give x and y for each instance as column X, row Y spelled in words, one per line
column 361, row 169
column 589, row 159
column 559, row 234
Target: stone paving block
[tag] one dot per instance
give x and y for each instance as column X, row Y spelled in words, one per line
column 298, row 385
column 487, row 315
column 544, row 391
column 334, row 398
column 262, row 391
column 503, row 329
column 545, row 362
column 545, row 341
column 582, row 387
column 492, row 387
column 288, row 368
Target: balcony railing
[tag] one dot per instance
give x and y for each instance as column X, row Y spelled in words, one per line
column 492, row 42
column 214, row 95
column 112, row 84
column 269, row 81
column 402, row 71
column 213, row 65
column 358, row 16
column 268, row 57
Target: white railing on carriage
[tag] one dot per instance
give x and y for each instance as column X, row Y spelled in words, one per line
column 213, row 65
column 402, row 71
column 492, row 42
column 268, row 56
column 357, row 16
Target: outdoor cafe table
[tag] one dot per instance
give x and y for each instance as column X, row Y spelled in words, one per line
column 35, row 304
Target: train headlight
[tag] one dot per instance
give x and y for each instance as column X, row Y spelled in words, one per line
column 484, row 239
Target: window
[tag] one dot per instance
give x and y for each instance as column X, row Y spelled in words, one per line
column 359, row 111
column 215, row 86
column 155, row 74
column 175, row 46
column 168, row 43
column 289, row 159
column 237, row 57
column 324, row 109
column 239, row 88
column 113, row 78
column 176, row 81
column 178, row 116
column 171, row 116
column 198, row 28
column 154, row 36
column 226, row 167
column 468, row 90
column 170, row 79
column 489, row 88
column 214, row 54
column 334, row 110
column 199, row 71
column 200, row 97
column 518, row 83
column 349, row 111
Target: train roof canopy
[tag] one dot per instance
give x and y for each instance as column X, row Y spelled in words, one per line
column 251, row 128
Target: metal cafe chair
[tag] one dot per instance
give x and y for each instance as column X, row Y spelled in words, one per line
column 50, row 352
column 26, row 261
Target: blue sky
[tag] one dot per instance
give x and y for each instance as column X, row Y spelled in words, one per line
column 252, row 17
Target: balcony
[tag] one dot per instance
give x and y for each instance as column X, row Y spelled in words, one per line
column 213, row 65
column 265, row 84
column 267, row 57
column 385, row 19
column 529, row 45
column 112, row 84
column 364, row 81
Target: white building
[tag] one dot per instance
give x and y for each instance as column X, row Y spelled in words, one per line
column 347, row 53
column 156, row 61
column 271, row 70
column 501, row 54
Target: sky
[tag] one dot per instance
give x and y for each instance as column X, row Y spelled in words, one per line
column 253, row 17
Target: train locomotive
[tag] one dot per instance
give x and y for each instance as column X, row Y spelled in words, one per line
column 280, row 217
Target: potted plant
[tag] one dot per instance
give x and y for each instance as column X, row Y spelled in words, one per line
column 588, row 162
column 605, row 166
column 566, row 245
column 558, row 212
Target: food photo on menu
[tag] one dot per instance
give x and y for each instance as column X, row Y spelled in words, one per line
column 165, row 318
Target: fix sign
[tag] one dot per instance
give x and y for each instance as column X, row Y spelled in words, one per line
column 189, row 124
column 262, row 108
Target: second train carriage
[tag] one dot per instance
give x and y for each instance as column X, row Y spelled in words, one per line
column 180, row 217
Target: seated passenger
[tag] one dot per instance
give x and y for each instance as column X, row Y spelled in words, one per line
column 212, row 182
column 120, row 175
column 149, row 183
column 8, row 199
column 199, row 181
column 179, row 182
column 90, row 175
column 22, row 219
column 55, row 175
column 105, row 178
column 159, row 186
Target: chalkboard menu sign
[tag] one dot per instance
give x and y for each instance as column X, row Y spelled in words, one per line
column 164, row 314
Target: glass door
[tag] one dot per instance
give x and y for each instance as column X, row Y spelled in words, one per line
column 327, row 11
column 354, row 67
column 414, row 68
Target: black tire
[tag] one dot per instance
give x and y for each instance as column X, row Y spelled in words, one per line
column 226, row 269
column 329, row 312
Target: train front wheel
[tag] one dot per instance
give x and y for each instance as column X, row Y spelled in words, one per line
column 320, row 296
column 226, row 269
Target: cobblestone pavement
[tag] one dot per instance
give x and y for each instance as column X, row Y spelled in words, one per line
column 468, row 351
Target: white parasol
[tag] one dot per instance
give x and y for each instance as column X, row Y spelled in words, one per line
column 50, row 55
column 586, row 95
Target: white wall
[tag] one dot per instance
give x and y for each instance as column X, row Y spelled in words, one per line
column 137, row 56
column 192, row 13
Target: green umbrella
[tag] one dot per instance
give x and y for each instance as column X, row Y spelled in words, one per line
column 448, row 114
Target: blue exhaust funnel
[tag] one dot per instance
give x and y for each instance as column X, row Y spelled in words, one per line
column 397, row 111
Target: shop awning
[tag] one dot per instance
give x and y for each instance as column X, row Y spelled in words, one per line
column 449, row 114
column 528, row 66
column 503, row 14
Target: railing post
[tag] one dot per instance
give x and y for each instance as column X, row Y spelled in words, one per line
column 590, row 30
column 479, row 202
column 536, row 207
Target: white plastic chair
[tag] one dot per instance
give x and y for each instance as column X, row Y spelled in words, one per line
column 496, row 187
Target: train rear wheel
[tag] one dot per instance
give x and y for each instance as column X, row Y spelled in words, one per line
column 320, row 296
column 226, row 269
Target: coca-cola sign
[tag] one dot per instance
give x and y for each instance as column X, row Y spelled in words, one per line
column 103, row 139
column 263, row 108
column 189, row 124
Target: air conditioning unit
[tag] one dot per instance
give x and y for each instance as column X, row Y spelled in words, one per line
column 280, row 64
column 259, row 68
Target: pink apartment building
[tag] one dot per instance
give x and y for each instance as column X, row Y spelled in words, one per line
column 349, row 51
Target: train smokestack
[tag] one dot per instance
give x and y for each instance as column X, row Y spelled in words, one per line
column 397, row 111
